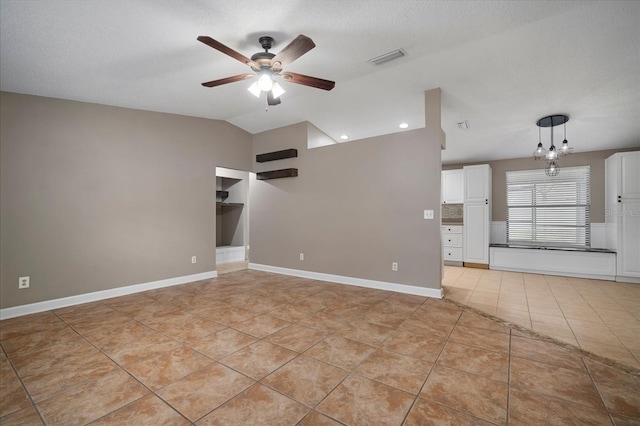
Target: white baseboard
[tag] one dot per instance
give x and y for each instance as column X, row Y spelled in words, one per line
column 631, row 280
column 360, row 282
column 47, row 305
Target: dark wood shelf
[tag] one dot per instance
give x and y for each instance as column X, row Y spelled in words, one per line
column 277, row 155
column 277, row 174
column 218, row 204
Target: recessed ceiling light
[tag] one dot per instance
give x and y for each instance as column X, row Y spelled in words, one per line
column 403, row 125
column 344, row 137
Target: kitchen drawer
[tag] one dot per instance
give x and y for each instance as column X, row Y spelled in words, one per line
column 452, row 229
column 452, row 240
column 452, row 253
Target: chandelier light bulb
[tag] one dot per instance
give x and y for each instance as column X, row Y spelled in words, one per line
column 265, row 83
column 553, row 169
column 254, row 89
column 540, row 152
column 552, row 155
column 277, row 90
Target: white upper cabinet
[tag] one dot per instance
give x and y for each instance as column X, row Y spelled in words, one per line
column 452, row 190
column 477, row 183
column 629, row 174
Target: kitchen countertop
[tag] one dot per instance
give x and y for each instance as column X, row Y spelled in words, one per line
column 450, row 222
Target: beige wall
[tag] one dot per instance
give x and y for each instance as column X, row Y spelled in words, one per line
column 595, row 159
column 95, row 197
column 354, row 208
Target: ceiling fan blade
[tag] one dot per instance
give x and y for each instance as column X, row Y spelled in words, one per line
column 306, row 80
column 228, row 51
column 226, row 80
column 298, row 47
column 271, row 100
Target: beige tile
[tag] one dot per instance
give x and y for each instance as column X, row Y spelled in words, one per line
column 399, row 371
column 261, row 326
column 487, row 309
column 415, row 345
column 323, row 321
column 158, row 371
column 557, row 382
column 204, row 390
column 305, row 379
column 474, row 395
column 149, row 410
column 316, row 419
column 619, row 390
column 341, row 352
column 29, row 324
column 297, row 337
column 259, row 359
column 222, row 343
column 72, row 372
column 25, row 417
column 616, row 353
column 527, row 407
column 429, row 413
column 131, row 343
column 493, row 365
column 14, row 397
column 360, row 401
column 429, row 329
column 361, row 331
column 469, row 319
column 437, row 314
column 91, row 400
column 544, row 352
column 480, row 338
column 256, row 405
column 182, row 326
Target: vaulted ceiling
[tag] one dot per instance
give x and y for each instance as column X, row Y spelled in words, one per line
column 501, row 65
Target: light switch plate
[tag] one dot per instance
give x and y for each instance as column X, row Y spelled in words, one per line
column 428, row 214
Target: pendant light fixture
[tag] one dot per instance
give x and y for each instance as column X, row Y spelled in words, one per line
column 552, row 154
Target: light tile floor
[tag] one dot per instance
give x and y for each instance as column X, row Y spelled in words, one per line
column 602, row 317
column 253, row 348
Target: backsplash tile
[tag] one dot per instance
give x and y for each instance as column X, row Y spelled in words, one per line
column 452, row 213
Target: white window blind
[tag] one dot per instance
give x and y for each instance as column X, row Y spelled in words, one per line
column 549, row 211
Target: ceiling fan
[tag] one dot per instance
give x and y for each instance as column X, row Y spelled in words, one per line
column 268, row 66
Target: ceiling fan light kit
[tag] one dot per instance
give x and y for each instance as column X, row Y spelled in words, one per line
column 269, row 66
column 553, row 154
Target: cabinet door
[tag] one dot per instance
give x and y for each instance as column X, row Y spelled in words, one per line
column 629, row 239
column 452, row 186
column 475, row 244
column 629, row 174
column 477, row 183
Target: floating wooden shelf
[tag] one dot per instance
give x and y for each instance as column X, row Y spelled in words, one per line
column 277, row 155
column 222, row 194
column 276, row 174
column 218, row 204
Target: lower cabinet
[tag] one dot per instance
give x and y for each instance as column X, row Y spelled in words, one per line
column 476, row 234
column 452, row 244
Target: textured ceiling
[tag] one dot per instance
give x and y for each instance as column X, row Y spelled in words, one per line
column 501, row 65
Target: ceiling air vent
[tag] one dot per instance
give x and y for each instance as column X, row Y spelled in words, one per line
column 386, row 57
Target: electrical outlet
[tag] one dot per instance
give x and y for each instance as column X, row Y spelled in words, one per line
column 301, row 256
column 394, row 266
column 193, row 259
column 428, row 214
column 23, row 282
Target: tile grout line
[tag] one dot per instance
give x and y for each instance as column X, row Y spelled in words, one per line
column 24, row 387
column 509, row 378
column 121, row 367
column 593, row 382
